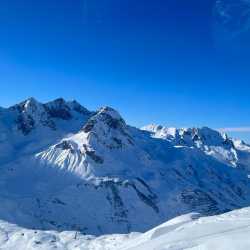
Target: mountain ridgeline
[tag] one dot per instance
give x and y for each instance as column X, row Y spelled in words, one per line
column 64, row 167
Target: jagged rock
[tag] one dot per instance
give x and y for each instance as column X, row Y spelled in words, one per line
column 64, row 145
column 74, row 105
column 31, row 114
column 94, row 157
column 25, row 123
column 58, row 109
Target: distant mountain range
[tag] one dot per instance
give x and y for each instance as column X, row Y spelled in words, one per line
column 64, row 167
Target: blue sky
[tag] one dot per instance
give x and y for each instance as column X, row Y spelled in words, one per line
column 154, row 61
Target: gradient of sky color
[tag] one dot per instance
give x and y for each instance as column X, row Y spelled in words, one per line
column 154, row 61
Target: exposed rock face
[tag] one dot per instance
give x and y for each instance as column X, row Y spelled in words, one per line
column 31, row 114
column 79, row 170
column 107, row 127
column 58, row 109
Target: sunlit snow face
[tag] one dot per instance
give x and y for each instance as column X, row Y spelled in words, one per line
column 232, row 25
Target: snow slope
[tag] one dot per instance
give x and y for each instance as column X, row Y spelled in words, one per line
column 64, row 168
column 228, row 231
column 14, row 237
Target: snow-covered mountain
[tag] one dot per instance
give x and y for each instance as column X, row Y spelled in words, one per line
column 218, row 145
column 66, row 168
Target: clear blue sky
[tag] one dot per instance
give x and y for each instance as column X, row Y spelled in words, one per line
column 154, row 61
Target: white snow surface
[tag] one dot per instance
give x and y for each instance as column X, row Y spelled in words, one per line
column 228, row 231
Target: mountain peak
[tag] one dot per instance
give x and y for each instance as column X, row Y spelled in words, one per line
column 152, row 127
column 58, row 109
column 105, row 117
column 31, row 100
column 111, row 112
column 76, row 106
column 190, row 136
column 31, row 114
column 161, row 132
column 107, row 128
column 59, row 101
column 28, row 105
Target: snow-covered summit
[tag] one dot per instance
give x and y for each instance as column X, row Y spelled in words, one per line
column 160, row 131
column 111, row 112
column 107, row 127
column 29, row 106
column 211, row 142
column 106, row 116
column 64, row 110
column 240, row 144
column 31, row 114
column 188, row 136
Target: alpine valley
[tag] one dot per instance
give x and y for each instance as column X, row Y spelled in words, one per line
column 67, row 172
